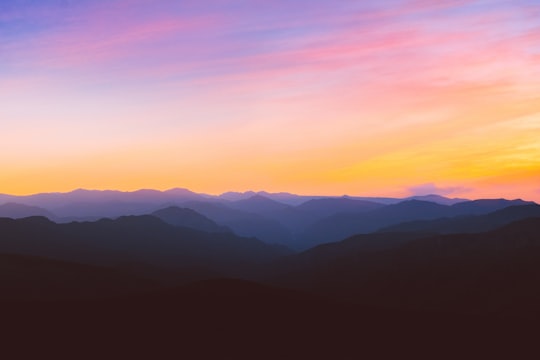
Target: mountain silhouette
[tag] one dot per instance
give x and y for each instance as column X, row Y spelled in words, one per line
column 484, row 206
column 206, row 320
column 18, row 211
column 296, row 219
column 281, row 197
column 92, row 204
column 33, row 278
column 330, row 206
column 244, row 223
column 85, row 285
column 257, row 204
column 437, row 199
column 343, row 225
column 189, row 218
column 135, row 240
column 469, row 224
column 483, row 273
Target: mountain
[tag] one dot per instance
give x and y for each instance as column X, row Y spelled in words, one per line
column 469, row 224
column 437, row 199
column 219, row 318
column 144, row 240
column 104, row 203
column 188, row 218
column 440, row 293
column 296, row 219
column 17, row 211
column 257, row 204
column 235, row 196
column 33, row 278
column 484, row 206
column 484, row 273
column 341, row 226
column 228, row 318
column 97, row 210
column 282, row 197
column 329, row 206
column 288, row 198
column 244, row 223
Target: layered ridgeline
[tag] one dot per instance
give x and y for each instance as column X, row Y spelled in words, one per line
column 484, row 272
column 491, row 272
column 181, row 274
column 140, row 244
column 298, row 222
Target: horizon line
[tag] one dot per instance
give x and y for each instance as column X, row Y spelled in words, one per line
column 256, row 192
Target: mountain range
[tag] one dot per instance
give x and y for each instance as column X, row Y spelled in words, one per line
column 296, row 221
column 325, row 277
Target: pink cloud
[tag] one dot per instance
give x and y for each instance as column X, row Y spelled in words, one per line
column 377, row 47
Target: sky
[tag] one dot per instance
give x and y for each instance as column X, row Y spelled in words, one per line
column 386, row 97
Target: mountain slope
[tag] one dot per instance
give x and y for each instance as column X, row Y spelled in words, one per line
column 469, row 224
column 18, row 211
column 132, row 240
column 330, row 206
column 35, row 278
column 257, row 204
column 485, row 206
column 437, row 199
column 341, row 226
column 483, row 273
column 244, row 223
column 189, row 218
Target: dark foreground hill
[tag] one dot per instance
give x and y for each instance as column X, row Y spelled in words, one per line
column 496, row 272
column 189, row 218
column 231, row 319
column 19, row 211
column 342, row 225
column 469, row 224
column 136, row 242
column 33, row 278
column 377, row 295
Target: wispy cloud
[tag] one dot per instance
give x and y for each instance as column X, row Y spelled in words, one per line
column 343, row 92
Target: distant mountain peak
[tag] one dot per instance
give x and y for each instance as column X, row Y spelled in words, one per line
column 258, row 203
column 439, row 199
column 260, row 197
column 16, row 211
column 190, row 218
column 178, row 190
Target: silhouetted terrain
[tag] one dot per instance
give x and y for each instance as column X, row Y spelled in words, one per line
column 469, row 224
column 58, row 200
column 342, row 225
column 234, row 319
column 463, row 278
column 33, row 278
column 296, row 221
column 437, row 199
column 258, row 204
column 298, row 218
column 184, row 217
column 18, row 211
column 496, row 272
column 134, row 240
column 243, row 223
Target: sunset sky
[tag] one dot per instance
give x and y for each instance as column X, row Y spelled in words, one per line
column 386, row 97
